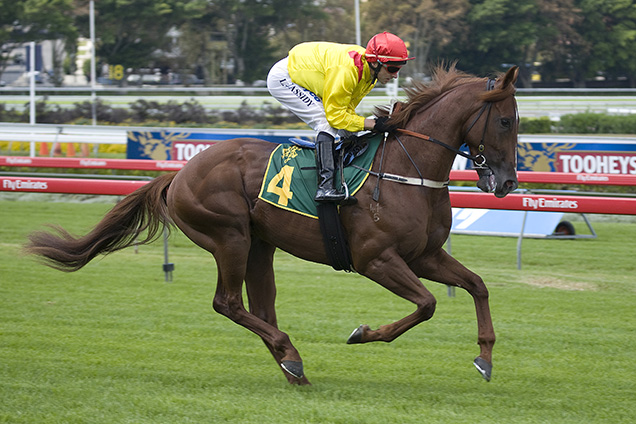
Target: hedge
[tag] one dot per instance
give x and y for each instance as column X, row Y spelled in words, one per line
column 580, row 123
column 191, row 113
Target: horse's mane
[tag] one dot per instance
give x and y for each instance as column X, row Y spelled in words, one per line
column 443, row 80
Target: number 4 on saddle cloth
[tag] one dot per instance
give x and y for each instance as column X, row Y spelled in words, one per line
column 290, row 181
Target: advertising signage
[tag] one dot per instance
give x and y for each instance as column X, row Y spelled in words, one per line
column 183, row 145
column 571, row 154
column 588, row 155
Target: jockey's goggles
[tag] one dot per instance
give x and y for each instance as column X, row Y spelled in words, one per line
column 391, row 69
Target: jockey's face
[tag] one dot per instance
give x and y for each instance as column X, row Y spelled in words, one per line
column 387, row 72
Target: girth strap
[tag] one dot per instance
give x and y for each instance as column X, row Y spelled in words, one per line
column 422, row 182
column 334, row 237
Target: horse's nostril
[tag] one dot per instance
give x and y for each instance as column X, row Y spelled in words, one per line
column 511, row 185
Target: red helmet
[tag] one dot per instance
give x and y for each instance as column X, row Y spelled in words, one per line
column 386, row 47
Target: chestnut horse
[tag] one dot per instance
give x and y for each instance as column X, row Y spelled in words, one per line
column 395, row 238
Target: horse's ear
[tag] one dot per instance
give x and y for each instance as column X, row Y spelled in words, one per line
column 510, row 78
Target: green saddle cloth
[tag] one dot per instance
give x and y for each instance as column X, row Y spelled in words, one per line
column 291, row 182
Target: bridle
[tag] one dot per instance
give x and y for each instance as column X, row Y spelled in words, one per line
column 479, row 160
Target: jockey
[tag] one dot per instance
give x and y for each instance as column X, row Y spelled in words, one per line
column 323, row 83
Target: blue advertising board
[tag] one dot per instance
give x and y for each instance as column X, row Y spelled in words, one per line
column 181, row 144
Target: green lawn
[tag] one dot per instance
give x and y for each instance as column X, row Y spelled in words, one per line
column 115, row 343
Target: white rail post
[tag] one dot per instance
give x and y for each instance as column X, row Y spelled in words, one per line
column 32, row 93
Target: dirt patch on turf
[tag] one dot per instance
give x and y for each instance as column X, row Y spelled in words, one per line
column 556, row 283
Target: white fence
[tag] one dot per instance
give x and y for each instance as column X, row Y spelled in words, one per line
column 103, row 134
column 223, row 99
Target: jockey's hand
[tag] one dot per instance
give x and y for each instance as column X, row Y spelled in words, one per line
column 381, row 125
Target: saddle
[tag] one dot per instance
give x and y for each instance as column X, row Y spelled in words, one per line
column 290, row 183
column 348, row 149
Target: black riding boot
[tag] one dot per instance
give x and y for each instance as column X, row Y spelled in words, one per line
column 326, row 170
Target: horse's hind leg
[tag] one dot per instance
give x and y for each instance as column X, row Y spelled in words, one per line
column 228, row 301
column 445, row 269
column 232, row 267
column 261, row 293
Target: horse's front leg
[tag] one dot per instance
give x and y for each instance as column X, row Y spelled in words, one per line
column 390, row 271
column 443, row 268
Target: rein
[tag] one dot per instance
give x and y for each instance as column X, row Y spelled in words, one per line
column 479, row 160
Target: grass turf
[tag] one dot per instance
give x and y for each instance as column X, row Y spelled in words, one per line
column 115, row 343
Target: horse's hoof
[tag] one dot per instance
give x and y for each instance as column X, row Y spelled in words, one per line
column 294, row 368
column 356, row 336
column 484, row 368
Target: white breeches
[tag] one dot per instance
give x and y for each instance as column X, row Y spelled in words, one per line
column 302, row 102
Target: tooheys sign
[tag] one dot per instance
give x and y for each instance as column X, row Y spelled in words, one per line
column 579, row 155
column 597, row 163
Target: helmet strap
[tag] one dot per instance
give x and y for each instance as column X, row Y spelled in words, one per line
column 376, row 70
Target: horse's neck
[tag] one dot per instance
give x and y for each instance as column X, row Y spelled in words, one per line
column 441, row 122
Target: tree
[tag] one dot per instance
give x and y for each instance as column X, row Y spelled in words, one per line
column 609, row 30
column 10, row 29
column 224, row 40
column 52, row 20
column 332, row 20
column 129, row 32
column 199, row 48
column 250, row 24
column 37, row 20
column 557, row 38
column 497, row 33
column 427, row 27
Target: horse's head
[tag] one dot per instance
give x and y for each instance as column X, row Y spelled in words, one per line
column 456, row 108
column 491, row 134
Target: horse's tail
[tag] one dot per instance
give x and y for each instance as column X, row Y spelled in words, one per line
column 143, row 210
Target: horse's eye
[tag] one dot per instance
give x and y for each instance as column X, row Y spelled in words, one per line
column 506, row 123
